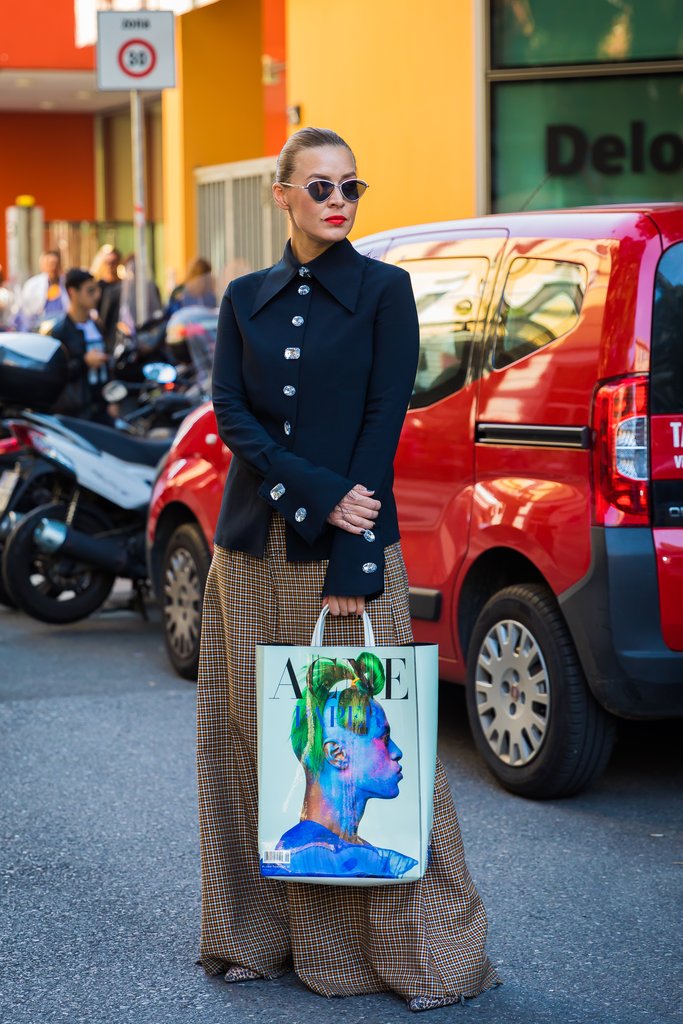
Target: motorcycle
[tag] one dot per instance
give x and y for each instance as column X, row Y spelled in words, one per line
column 154, row 407
column 61, row 559
column 33, row 371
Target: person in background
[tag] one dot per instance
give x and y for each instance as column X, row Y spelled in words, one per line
column 43, row 296
column 81, row 336
column 198, row 289
column 6, row 302
column 105, row 269
column 127, row 308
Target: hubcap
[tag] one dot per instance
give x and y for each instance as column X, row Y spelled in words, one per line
column 182, row 602
column 512, row 690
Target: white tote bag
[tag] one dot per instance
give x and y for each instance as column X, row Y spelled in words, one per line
column 346, row 760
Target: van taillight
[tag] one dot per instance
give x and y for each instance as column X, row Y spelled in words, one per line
column 621, row 461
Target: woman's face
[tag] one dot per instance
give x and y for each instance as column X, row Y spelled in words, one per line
column 320, row 224
column 373, row 757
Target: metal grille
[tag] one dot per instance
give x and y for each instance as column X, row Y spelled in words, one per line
column 247, row 217
column 211, row 228
column 239, row 227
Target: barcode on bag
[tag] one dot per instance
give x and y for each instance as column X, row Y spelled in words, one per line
column 277, row 856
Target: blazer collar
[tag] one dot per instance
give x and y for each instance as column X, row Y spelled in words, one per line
column 339, row 270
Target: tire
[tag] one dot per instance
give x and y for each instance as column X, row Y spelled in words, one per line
column 53, row 588
column 185, row 566
column 533, row 718
column 5, row 596
column 37, row 495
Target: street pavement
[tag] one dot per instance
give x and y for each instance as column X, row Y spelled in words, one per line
column 100, row 866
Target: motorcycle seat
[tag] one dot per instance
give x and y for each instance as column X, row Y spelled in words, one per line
column 113, row 442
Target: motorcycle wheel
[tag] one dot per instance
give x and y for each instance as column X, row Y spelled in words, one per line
column 5, row 596
column 39, row 494
column 53, row 588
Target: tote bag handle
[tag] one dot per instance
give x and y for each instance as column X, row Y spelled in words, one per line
column 368, row 633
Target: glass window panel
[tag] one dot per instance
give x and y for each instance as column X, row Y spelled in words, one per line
column 531, row 33
column 666, row 384
column 587, row 141
column 541, row 301
column 448, row 297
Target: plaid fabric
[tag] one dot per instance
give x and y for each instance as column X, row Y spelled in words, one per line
column 422, row 938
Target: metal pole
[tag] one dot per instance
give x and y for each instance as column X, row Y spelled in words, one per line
column 137, row 126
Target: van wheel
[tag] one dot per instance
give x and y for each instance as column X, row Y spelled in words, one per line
column 533, row 718
column 183, row 577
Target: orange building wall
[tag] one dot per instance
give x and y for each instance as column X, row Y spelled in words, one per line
column 214, row 116
column 274, row 93
column 49, row 156
column 398, row 83
column 39, row 34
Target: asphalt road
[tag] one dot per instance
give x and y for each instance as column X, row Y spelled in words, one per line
column 99, row 858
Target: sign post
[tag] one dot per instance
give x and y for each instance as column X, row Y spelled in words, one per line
column 135, row 52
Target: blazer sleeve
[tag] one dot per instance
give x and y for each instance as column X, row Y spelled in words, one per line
column 303, row 493
column 356, row 564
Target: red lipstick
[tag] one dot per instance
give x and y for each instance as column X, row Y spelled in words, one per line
column 335, row 220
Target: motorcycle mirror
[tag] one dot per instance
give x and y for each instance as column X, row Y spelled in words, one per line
column 114, row 391
column 160, row 373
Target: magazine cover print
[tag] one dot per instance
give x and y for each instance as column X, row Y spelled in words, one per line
column 339, row 786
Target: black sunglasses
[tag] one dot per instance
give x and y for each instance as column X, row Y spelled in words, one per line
column 320, row 189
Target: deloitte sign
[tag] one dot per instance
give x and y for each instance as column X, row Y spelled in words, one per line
column 569, row 150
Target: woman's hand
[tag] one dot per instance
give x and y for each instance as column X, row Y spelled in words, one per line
column 344, row 605
column 356, row 512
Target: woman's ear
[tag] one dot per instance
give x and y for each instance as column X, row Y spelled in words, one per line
column 279, row 196
column 335, row 754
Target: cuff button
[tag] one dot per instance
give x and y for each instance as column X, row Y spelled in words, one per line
column 300, row 514
column 277, row 491
column 369, row 567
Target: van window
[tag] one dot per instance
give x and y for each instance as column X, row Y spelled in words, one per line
column 541, row 301
column 448, row 297
column 666, row 373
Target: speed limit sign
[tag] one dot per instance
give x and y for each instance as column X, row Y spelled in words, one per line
column 137, row 58
column 135, row 50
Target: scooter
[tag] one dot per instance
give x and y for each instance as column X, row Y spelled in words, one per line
column 154, row 407
column 61, row 559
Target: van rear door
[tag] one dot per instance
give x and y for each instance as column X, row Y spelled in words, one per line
column 666, row 426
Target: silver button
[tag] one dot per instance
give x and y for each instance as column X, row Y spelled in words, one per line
column 287, row 426
column 304, row 272
column 304, row 289
column 369, row 566
column 292, row 353
column 297, row 321
column 369, row 535
column 300, row 515
column 289, row 390
column 277, row 491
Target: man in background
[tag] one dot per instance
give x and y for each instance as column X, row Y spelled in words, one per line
column 44, row 296
column 82, row 338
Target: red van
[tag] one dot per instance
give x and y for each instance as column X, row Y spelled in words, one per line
column 539, row 481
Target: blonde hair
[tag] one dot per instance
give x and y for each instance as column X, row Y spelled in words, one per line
column 305, row 138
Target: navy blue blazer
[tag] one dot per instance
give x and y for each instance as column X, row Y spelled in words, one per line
column 313, row 371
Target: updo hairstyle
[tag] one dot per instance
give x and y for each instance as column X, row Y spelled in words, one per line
column 349, row 708
column 305, row 138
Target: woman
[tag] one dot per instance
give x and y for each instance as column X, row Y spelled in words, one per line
column 198, row 288
column 314, row 366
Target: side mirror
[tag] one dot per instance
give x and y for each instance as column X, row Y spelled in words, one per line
column 114, row 391
column 159, row 373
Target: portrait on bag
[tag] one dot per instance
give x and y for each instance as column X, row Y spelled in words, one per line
column 338, row 800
